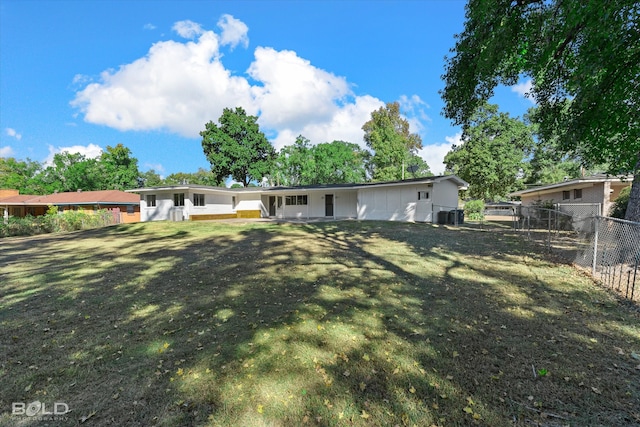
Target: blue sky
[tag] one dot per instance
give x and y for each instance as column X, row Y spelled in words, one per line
column 82, row 75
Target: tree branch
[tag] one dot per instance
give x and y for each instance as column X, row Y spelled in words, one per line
column 568, row 39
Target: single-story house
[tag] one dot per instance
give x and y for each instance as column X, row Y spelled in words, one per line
column 600, row 190
column 409, row 200
column 127, row 205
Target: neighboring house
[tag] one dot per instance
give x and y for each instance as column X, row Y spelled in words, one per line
column 501, row 211
column 409, row 200
column 597, row 189
column 126, row 205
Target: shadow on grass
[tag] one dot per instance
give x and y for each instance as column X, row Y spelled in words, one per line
column 323, row 324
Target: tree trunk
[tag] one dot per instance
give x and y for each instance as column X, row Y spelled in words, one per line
column 633, row 208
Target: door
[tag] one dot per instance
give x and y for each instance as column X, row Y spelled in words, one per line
column 272, row 205
column 328, row 205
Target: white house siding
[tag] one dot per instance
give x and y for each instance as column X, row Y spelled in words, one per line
column 250, row 201
column 393, row 203
column 400, row 203
column 345, row 204
column 445, row 196
column 252, row 204
column 214, row 203
column 384, row 201
column 162, row 210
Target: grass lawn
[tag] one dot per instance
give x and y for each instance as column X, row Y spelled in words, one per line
column 338, row 323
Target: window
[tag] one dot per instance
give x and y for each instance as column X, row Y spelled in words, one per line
column 151, row 200
column 178, row 199
column 130, row 209
column 423, row 195
column 279, row 202
column 198, row 200
column 295, row 200
column 577, row 194
column 566, row 195
column 233, row 202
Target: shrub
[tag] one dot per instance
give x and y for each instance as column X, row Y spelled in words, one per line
column 619, row 208
column 474, row 210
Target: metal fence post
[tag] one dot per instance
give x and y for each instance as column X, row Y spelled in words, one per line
column 595, row 246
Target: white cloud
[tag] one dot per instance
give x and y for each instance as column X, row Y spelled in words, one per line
column 90, row 151
column 188, row 29
column 6, row 151
column 524, row 90
column 234, row 31
column 434, row 154
column 344, row 125
column 13, row 133
column 180, row 86
column 176, row 86
column 149, row 26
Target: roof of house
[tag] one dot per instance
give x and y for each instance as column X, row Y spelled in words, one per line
column 573, row 183
column 103, row 197
column 426, row 180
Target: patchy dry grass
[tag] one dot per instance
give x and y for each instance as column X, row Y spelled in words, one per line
column 346, row 323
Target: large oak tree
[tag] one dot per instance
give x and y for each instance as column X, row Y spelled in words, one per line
column 492, row 155
column 583, row 57
column 237, row 147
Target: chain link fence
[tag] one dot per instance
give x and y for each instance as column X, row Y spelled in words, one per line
column 607, row 247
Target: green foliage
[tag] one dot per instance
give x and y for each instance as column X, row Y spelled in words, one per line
column 584, row 61
column 72, row 172
column 237, row 147
column 150, row 178
column 619, row 208
column 201, row 177
column 387, row 134
column 492, row 153
column 23, row 176
column 295, row 164
column 337, row 162
column 119, row 169
column 114, row 169
column 474, row 210
column 55, row 222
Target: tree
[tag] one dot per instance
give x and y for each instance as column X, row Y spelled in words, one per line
column 201, row 177
column 150, row 178
column 584, row 61
column 619, row 207
column 387, row 134
column 23, row 176
column 549, row 163
column 237, row 147
column 72, row 172
column 119, row 169
column 295, row 164
column 491, row 156
column 339, row 162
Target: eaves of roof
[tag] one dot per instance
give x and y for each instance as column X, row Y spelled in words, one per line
column 596, row 179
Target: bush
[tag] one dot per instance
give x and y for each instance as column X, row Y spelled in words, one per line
column 474, row 210
column 619, row 208
column 54, row 221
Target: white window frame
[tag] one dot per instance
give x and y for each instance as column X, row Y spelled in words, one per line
column 424, row 196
